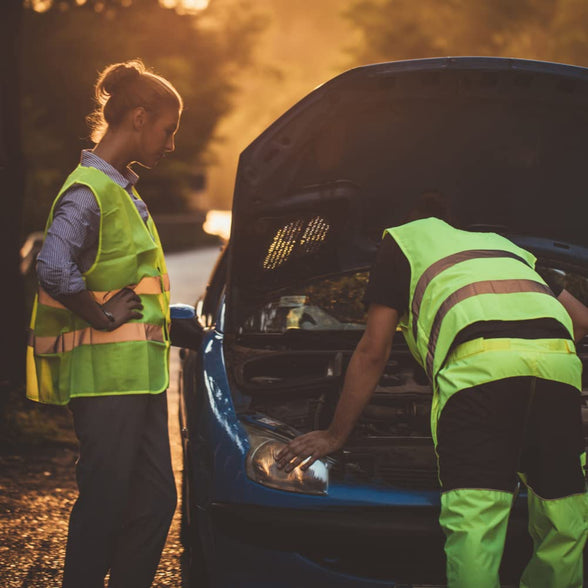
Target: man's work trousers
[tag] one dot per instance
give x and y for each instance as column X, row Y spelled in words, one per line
column 127, row 493
column 486, row 435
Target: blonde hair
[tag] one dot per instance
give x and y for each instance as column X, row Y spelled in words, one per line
column 120, row 87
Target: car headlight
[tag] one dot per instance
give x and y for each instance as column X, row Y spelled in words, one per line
column 262, row 468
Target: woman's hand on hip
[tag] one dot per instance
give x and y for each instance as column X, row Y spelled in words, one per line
column 123, row 307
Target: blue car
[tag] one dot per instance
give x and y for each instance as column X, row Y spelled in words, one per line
column 507, row 141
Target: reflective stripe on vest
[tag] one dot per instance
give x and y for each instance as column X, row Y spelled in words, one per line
column 147, row 285
column 445, row 263
column 486, row 287
column 68, row 341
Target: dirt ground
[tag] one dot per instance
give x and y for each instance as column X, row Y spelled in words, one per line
column 37, row 492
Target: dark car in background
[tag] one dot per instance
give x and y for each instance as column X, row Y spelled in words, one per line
column 507, row 142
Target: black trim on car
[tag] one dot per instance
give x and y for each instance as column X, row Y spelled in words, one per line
column 385, row 543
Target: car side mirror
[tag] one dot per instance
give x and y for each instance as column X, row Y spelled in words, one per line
column 185, row 330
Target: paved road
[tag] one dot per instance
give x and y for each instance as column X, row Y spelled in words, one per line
column 37, row 486
column 188, row 272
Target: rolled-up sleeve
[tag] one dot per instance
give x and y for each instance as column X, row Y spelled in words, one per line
column 71, row 243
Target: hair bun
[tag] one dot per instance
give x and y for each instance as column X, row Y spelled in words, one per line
column 121, row 73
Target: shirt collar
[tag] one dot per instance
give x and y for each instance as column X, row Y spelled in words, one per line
column 125, row 180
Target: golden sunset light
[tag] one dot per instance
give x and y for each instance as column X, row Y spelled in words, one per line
column 39, row 5
column 181, row 6
column 186, row 6
column 218, row 222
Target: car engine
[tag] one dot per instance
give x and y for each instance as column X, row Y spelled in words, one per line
column 391, row 443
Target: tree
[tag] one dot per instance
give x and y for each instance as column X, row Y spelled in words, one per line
column 551, row 30
column 11, row 183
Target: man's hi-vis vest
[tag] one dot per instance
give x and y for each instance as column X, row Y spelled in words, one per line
column 459, row 278
column 67, row 358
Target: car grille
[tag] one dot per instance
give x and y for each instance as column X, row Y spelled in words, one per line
column 407, row 464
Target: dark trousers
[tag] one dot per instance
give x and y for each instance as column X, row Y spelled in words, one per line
column 127, row 493
column 488, row 433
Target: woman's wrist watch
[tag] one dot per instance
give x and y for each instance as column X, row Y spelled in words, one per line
column 109, row 316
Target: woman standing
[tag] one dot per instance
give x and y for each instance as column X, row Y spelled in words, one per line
column 100, row 334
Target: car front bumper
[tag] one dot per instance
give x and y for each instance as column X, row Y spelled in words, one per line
column 355, row 546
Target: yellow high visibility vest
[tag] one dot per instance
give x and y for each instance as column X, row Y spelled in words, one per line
column 66, row 357
column 459, row 278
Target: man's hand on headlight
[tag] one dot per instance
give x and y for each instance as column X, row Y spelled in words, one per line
column 311, row 446
column 361, row 378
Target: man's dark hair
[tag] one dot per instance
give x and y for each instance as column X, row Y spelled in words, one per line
column 432, row 203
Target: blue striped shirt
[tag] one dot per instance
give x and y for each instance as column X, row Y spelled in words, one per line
column 71, row 244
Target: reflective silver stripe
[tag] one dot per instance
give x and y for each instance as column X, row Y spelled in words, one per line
column 445, row 263
column 484, row 287
column 68, row 341
column 147, row 285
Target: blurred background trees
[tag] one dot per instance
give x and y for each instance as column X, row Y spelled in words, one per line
column 11, row 190
column 63, row 49
column 550, row 30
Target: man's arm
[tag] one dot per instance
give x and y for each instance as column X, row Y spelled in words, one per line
column 362, row 376
column 578, row 313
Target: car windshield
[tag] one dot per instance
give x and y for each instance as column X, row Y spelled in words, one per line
column 326, row 304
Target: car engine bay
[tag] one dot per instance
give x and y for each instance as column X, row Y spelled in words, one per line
column 391, row 443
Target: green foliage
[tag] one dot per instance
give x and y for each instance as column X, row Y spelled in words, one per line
column 550, row 30
column 65, row 48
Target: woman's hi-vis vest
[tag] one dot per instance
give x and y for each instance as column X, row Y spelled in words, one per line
column 459, row 278
column 66, row 357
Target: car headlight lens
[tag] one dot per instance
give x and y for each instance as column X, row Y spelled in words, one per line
column 262, row 468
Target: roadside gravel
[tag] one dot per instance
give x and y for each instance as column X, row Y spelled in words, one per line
column 37, row 492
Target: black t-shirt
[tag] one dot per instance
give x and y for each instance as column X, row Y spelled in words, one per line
column 389, row 285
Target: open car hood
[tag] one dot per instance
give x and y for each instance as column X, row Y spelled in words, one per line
column 505, row 140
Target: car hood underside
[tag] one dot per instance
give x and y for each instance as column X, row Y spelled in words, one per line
column 503, row 139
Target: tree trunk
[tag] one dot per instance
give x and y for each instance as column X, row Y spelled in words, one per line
column 11, row 193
